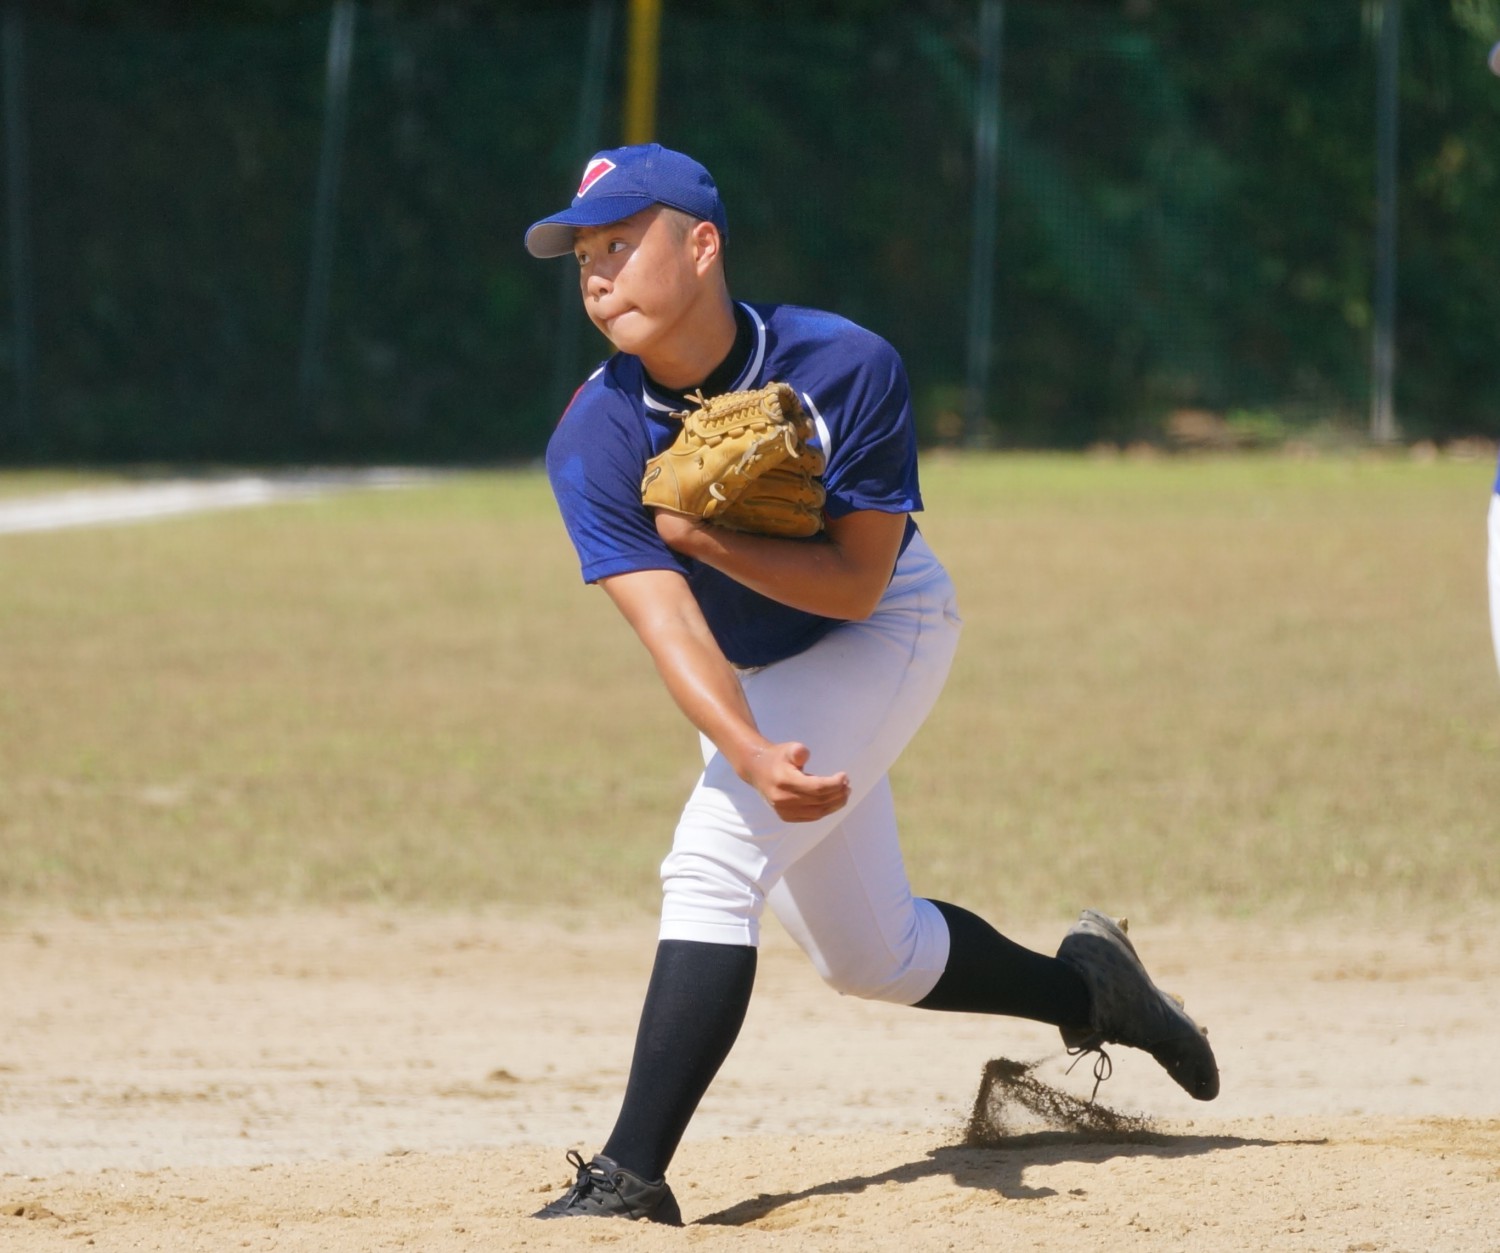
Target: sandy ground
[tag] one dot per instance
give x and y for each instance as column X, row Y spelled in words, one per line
column 358, row 1081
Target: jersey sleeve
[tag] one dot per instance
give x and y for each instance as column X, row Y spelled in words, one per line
column 594, row 464
column 872, row 458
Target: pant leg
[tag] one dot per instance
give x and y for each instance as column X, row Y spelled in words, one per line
column 855, row 699
column 848, row 904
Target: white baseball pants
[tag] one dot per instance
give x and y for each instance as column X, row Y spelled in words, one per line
column 837, row 885
column 1495, row 572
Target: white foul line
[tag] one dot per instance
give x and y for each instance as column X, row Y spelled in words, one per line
column 174, row 497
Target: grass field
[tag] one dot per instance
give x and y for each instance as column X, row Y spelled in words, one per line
column 14, row 485
column 1238, row 686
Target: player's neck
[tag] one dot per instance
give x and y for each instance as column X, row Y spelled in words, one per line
column 706, row 337
column 722, row 377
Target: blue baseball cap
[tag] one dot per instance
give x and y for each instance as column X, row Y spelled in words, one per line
column 619, row 182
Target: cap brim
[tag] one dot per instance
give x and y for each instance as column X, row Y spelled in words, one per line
column 553, row 237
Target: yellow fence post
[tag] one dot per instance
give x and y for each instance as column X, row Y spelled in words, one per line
column 641, row 75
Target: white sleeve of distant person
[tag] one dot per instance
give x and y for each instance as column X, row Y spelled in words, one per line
column 1495, row 572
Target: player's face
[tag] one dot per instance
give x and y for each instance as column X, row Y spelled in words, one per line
column 639, row 278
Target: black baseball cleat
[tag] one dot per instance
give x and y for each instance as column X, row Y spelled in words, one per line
column 1129, row 1009
column 604, row 1189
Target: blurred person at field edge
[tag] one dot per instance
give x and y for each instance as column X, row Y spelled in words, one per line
column 1494, row 554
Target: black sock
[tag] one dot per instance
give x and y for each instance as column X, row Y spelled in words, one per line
column 988, row 974
column 694, row 1008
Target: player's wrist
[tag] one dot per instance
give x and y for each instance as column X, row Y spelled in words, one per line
column 747, row 754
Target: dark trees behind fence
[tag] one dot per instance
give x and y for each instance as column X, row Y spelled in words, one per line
column 1185, row 215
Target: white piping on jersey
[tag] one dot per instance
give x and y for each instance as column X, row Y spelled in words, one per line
column 757, row 358
column 825, row 440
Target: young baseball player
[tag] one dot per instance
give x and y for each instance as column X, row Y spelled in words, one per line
column 806, row 664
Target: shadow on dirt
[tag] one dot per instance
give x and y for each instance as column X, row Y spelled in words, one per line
column 998, row 1169
column 1000, row 1144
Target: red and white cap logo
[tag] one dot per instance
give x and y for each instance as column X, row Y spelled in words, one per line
column 597, row 169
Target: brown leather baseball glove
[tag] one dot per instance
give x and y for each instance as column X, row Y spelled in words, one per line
column 742, row 461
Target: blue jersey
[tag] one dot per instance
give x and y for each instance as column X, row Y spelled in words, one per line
column 853, row 385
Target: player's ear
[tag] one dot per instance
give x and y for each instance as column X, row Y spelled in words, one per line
column 707, row 244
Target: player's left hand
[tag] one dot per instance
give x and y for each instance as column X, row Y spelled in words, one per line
column 776, row 773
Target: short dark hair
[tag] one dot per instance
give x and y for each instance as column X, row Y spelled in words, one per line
column 681, row 221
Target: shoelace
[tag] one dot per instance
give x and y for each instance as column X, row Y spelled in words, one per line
column 1103, row 1067
column 588, row 1177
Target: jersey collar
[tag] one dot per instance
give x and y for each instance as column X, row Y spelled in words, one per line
column 659, row 400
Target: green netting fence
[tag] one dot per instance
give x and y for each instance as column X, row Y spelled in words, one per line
column 205, row 262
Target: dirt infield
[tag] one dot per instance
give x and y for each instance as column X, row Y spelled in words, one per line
column 357, row 1081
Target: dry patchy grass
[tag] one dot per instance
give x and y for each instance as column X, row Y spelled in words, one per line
column 1234, row 686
